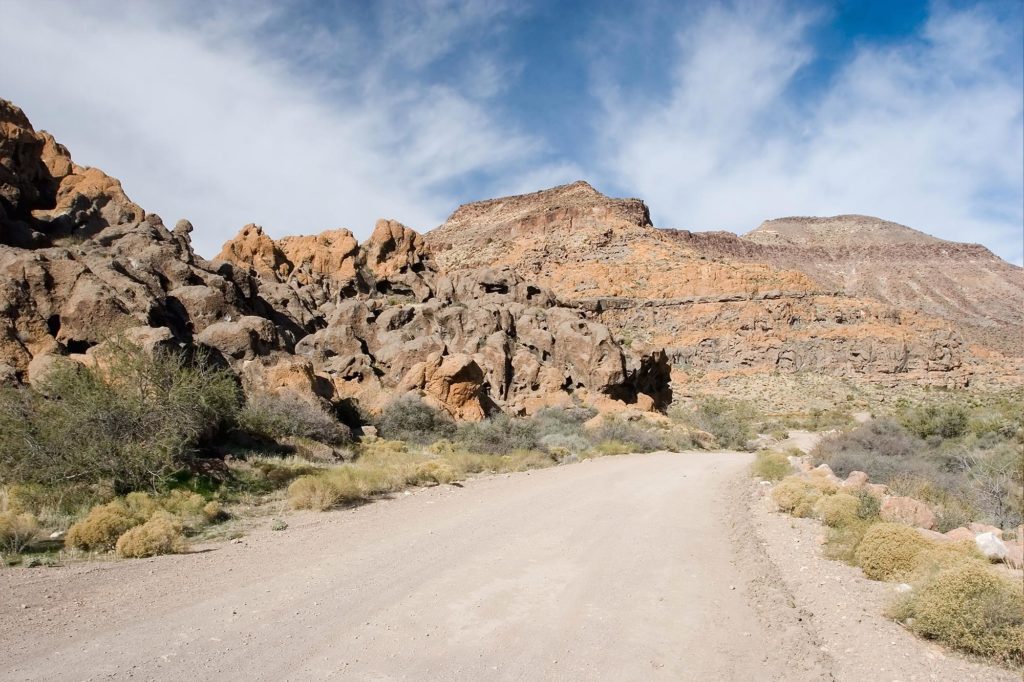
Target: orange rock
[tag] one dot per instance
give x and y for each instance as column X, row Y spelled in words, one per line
column 909, row 511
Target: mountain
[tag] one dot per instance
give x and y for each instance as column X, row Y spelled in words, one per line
column 850, row 297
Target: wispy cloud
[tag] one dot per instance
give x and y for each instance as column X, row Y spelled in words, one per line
column 202, row 119
column 927, row 132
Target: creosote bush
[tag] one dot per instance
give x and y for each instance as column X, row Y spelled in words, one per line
column 410, row 419
column 161, row 534
column 17, row 531
column 889, row 551
column 133, row 420
column 971, row 608
column 288, row 414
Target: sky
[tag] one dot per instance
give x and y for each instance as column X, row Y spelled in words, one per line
column 310, row 115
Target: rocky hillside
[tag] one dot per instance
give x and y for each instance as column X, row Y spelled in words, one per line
column 355, row 324
column 725, row 306
column 966, row 284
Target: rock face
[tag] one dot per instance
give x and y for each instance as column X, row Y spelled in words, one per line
column 724, row 307
column 353, row 324
column 966, row 284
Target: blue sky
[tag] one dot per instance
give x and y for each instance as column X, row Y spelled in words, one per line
column 307, row 116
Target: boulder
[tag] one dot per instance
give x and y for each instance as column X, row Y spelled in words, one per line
column 908, row 511
column 979, row 528
column 933, row 535
column 453, row 383
column 959, row 534
column 991, row 546
column 241, row 339
column 855, row 480
column 1015, row 554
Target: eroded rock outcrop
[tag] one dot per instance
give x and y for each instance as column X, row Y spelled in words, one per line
column 324, row 316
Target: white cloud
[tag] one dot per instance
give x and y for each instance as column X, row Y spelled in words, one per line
column 202, row 119
column 927, row 133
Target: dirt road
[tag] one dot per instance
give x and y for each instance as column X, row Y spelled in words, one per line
column 625, row 568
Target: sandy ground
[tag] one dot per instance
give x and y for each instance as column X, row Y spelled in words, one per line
column 646, row 567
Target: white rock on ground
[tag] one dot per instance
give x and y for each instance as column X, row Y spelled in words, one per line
column 991, row 546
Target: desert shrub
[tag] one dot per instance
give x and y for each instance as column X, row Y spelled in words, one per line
column 161, row 534
column 971, row 608
column 840, row 509
column 730, row 422
column 771, row 466
column 562, row 420
column 410, row 419
column 187, row 507
column 17, row 531
column 881, row 448
column 570, row 443
column 797, row 496
column 213, row 512
column 841, row 541
column 133, row 422
column 499, row 435
column 316, row 492
column 523, row 460
column 103, row 525
column 436, row 471
column 945, row 421
column 889, row 551
column 869, row 506
column 288, row 414
column 614, row 447
column 941, row 556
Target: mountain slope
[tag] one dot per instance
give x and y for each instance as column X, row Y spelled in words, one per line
column 725, row 306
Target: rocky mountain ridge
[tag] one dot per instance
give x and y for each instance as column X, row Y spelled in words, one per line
column 724, row 306
column 355, row 325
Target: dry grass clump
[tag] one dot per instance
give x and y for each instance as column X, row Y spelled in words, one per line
column 523, row 460
column 161, row 534
column 840, row 509
column 17, row 531
column 969, row 607
column 614, row 447
column 889, row 551
column 771, row 466
column 436, row 471
column 101, row 528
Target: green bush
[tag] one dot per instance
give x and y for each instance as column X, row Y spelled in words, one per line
column 771, row 466
column 288, row 414
column 410, row 419
column 889, row 551
column 730, row 422
column 945, row 421
column 971, row 608
column 133, row 422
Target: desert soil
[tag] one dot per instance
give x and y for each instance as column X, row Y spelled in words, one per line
column 646, row 567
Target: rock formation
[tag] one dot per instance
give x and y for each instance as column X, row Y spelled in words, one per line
column 723, row 306
column 354, row 324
